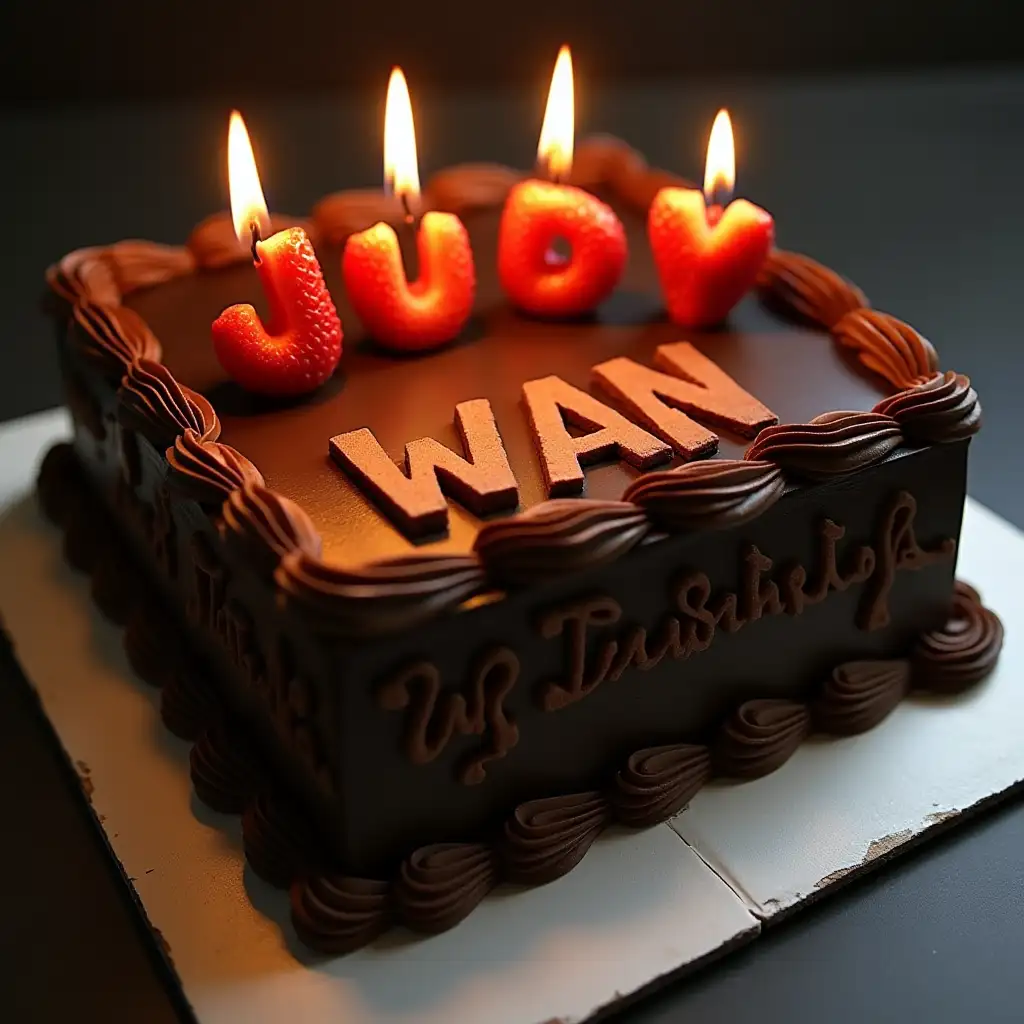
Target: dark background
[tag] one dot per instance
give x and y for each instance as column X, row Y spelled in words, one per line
column 886, row 137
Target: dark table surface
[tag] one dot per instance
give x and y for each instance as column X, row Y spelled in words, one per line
column 909, row 184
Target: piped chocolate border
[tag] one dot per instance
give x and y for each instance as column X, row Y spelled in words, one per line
column 551, row 539
column 437, row 886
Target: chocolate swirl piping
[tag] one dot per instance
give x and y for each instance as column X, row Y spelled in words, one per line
column 112, row 338
column 962, row 652
column 104, row 275
column 468, row 187
column 712, row 495
column 559, row 536
column 337, row 914
column 208, row 471
column 944, row 408
column 889, row 347
column 278, row 842
column 268, row 526
column 379, row 598
column 802, row 289
column 657, row 782
column 760, row 737
column 860, row 694
column 152, row 402
column 440, row 885
column 833, row 444
column 187, row 703
column 225, row 770
column 544, row 839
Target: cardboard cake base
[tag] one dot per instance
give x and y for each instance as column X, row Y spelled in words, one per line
column 640, row 908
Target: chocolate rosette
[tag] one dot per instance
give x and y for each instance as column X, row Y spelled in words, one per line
column 337, row 914
column 208, row 471
column 657, row 782
column 440, row 885
column 151, row 644
column 942, row 409
column 378, row 598
column 105, row 275
column 214, row 242
column 545, row 839
column 266, row 526
column 188, row 704
column 344, row 213
column 889, row 347
column 60, row 485
column 112, row 338
column 804, row 290
column 831, row 445
column 859, row 695
column 557, row 537
column 152, row 402
column 964, row 651
column 760, row 737
column 279, row 844
column 713, row 495
column 224, row 769
column 467, row 187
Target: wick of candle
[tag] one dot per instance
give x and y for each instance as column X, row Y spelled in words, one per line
column 404, row 197
column 254, row 230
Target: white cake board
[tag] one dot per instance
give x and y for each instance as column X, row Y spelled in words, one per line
column 640, row 908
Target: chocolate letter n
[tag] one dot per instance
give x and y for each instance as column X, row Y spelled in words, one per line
column 415, row 500
column 692, row 386
column 550, row 403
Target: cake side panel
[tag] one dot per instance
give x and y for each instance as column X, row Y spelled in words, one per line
column 448, row 727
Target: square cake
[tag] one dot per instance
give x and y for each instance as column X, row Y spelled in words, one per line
column 437, row 625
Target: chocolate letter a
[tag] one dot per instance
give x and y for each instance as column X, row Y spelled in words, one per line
column 696, row 386
column 415, row 500
column 550, row 402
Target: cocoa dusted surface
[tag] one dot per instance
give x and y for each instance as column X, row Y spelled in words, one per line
column 797, row 373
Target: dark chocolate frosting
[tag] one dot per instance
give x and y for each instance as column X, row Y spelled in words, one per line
column 225, row 770
column 712, row 495
column 214, row 243
column 148, row 643
column 379, row 598
column 860, row 694
column 944, row 408
column 759, row 737
column 268, row 526
column 802, row 289
column 466, row 187
column 544, row 839
column 657, row 782
column 279, row 844
column 336, row 914
column 152, row 402
column 187, row 703
column 112, row 338
column 833, row 444
column 962, row 652
column 889, row 347
column 439, row 885
column 559, row 536
column 208, row 471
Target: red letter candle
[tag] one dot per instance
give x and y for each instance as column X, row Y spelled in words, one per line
column 707, row 256
column 538, row 214
column 433, row 309
column 301, row 344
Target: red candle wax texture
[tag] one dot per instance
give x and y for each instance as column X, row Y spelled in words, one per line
column 707, row 259
column 538, row 280
column 427, row 312
column 300, row 346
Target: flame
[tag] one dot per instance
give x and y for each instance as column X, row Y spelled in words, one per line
column 401, row 171
column 556, row 134
column 720, row 169
column 248, row 207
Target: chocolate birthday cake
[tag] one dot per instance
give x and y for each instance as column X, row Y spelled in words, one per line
column 439, row 624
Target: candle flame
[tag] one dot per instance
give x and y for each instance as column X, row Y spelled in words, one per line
column 248, row 207
column 556, row 134
column 401, row 171
column 720, row 169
